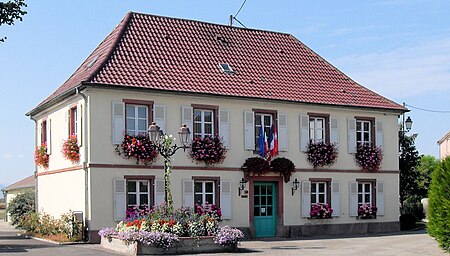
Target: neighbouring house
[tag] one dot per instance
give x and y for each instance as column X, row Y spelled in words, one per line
column 444, row 146
column 11, row 191
column 226, row 81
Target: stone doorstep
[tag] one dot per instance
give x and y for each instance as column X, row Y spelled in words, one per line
column 184, row 246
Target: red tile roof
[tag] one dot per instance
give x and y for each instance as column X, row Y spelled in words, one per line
column 161, row 53
column 28, row 182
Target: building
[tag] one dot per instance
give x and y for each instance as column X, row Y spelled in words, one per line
column 218, row 80
column 444, row 146
column 22, row 186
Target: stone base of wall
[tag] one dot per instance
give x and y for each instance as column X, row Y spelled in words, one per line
column 94, row 237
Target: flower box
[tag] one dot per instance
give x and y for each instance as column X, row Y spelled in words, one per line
column 186, row 245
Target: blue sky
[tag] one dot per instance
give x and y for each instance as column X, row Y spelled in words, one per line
column 398, row 48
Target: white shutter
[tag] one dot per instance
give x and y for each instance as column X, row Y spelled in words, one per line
column 118, row 122
column 120, row 202
column 249, row 130
column 186, row 118
column 49, row 136
column 159, row 192
column 351, row 135
column 336, row 198
column 225, row 199
column 304, row 132
column 159, row 117
column 224, row 127
column 283, row 144
column 380, row 198
column 379, row 136
column 353, row 212
column 80, row 124
column 188, row 193
column 66, row 124
column 39, row 134
column 334, row 130
column 306, row 198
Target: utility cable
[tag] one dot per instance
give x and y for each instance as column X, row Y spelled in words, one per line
column 234, row 18
column 240, row 9
column 429, row 110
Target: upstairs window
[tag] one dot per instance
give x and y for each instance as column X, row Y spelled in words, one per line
column 264, row 121
column 316, row 129
column 364, row 132
column 44, row 131
column 203, row 122
column 136, row 119
column 73, row 121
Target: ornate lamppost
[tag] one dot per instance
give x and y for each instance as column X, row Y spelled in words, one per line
column 163, row 144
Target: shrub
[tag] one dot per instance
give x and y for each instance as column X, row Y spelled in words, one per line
column 283, row 166
column 208, row 149
column 322, row 153
column 20, row 206
column 439, row 204
column 413, row 206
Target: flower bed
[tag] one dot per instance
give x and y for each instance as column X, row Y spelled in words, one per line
column 208, row 150
column 322, row 154
column 161, row 231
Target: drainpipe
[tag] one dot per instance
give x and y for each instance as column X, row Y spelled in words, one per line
column 36, row 187
column 84, row 131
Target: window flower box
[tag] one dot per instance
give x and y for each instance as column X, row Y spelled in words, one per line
column 368, row 157
column 367, row 211
column 41, row 158
column 208, row 150
column 70, row 149
column 322, row 154
column 138, row 147
column 284, row 167
column 321, row 211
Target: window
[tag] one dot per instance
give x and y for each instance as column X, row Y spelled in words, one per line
column 226, row 68
column 319, row 127
column 44, row 131
column 365, row 193
column 136, row 119
column 73, row 121
column 206, row 190
column 138, row 193
column 318, row 193
column 365, row 130
column 264, row 120
column 203, row 122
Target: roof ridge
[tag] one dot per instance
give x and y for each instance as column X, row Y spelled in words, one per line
column 211, row 23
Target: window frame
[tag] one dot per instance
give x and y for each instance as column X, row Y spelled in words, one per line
column 327, row 182
column 371, row 121
column 151, row 185
column 44, row 131
column 215, row 118
column 326, row 125
column 373, row 191
column 264, row 112
column 73, row 121
column 216, row 187
column 146, row 103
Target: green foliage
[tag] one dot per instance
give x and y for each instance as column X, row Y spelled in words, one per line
column 425, row 168
column 413, row 206
column 21, row 205
column 439, row 204
column 10, row 12
column 408, row 160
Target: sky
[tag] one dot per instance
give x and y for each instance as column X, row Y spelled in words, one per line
column 397, row 48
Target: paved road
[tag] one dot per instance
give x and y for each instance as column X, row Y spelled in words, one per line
column 395, row 244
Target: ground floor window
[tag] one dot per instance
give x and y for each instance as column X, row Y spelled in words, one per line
column 138, row 193
column 318, row 193
column 365, row 193
column 204, row 192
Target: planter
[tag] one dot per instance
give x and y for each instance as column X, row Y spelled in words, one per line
column 186, row 245
column 369, row 217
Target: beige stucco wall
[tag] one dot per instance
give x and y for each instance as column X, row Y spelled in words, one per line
column 444, row 148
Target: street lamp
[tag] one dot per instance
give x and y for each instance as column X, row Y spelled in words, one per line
column 163, row 144
column 406, row 124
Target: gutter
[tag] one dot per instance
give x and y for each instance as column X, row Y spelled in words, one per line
column 36, row 187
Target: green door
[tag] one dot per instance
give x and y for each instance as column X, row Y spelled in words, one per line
column 264, row 209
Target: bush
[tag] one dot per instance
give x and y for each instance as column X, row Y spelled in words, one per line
column 407, row 221
column 413, row 206
column 439, row 204
column 20, row 206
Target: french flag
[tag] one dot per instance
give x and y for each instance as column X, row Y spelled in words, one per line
column 273, row 139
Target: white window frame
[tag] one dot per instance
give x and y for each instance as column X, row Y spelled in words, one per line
column 203, row 193
column 314, row 131
column 316, row 184
column 362, row 132
column 261, row 117
column 363, row 193
column 138, row 193
column 136, row 119
column 75, row 120
column 202, row 123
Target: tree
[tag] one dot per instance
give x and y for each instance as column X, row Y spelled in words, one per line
column 10, row 12
column 425, row 168
column 408, row 161
column 21, row 205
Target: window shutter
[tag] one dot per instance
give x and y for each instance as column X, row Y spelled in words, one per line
column 159, row 116
column 249, row 130
column 159, row 192
column 224, row 127
column 67, row 124
column 49, row 136
column 188, row 193
column 120, row 201
column 304, row 132
column 379, row 136
column 80, row 124
column 306, row 198
column 353, row 212
column 334, row 130
column 336, row 198
column 225, row 199
column 283, row 144
column 380, row 198
column 118, row 122
column 351, row 136
column 186, row 118
column 39, row 134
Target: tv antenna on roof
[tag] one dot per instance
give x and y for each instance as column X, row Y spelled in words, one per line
column 234, row 17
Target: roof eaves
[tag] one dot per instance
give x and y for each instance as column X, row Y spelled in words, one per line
column 446, row 137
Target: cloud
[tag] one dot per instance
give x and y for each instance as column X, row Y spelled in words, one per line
column 7, row 156
column 408, row 70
